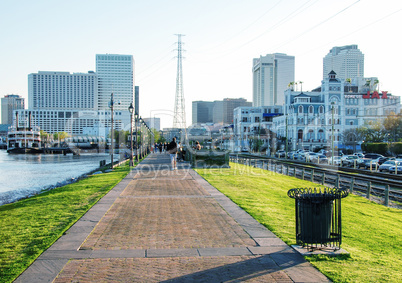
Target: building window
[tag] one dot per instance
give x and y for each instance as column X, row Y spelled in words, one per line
column 300, row 109
column 321, row 109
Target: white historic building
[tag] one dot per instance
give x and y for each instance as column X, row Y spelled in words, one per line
column 313, row 119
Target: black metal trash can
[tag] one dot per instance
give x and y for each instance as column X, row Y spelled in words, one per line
column 318, row 216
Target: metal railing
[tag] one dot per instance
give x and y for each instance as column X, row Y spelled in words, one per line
column 373, row 188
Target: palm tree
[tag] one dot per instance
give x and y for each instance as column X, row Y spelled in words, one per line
column 291, row 85
column 301, row 86
column 349, row 81
column 376, row 84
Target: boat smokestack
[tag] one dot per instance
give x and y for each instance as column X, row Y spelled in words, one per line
column 16, row 120
column 29, row 120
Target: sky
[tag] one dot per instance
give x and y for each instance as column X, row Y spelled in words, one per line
column 221, row 38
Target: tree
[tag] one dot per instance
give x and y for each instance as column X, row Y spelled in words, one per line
column 60, row 136
column 376, row 84
column 349, row 81
column 393, row 126
column 352, row 137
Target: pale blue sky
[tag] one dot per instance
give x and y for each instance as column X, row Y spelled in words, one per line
column 221, row 39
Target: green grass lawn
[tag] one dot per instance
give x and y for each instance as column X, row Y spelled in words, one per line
column 28, row 227
column 372, row 233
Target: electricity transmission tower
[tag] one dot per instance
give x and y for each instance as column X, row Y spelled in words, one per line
column 179, row 119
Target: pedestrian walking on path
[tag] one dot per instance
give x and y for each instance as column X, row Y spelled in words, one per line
column 172, row 149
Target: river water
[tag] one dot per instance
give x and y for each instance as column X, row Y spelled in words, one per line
column 23, row 175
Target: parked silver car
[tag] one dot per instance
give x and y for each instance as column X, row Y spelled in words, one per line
column 396, row 169
column 387, row 164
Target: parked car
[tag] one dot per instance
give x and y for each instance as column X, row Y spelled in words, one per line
column 309, row 156
column 280, row 154
column 373, row 155
column 387, row 164
column 337, row 160
column 381, row 160
column 371, row 164
column 292, row 155
column 359, row 154
column 323, row 152
column 320, row 159
column 349, row 160
column 398, row 168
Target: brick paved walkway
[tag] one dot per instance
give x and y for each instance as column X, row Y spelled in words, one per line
column 162, row 225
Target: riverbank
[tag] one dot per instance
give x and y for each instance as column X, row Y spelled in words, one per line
column 27, row 175
column 31, row 225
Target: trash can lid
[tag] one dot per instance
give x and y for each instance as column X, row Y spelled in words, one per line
column 317, row 193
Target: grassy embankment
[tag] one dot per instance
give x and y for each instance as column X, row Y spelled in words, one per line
column 371, row 232
column 28, row 227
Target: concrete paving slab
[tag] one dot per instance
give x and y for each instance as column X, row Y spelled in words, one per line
column 224, row 251
column 329, row 251
column 42, row 271
column 172, row 253
column 305, row 274
column 65, row 254
column 269, row 250
column 118, row 254
column 267, row 242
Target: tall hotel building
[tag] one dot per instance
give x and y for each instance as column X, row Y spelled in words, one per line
column 78, row 103
column 62, row 102
column 271, row 76
column 346, row 61
column 115, row 75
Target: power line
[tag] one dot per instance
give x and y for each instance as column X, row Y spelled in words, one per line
column 319, row 24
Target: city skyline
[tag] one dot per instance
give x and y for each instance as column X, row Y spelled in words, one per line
column 221, row 39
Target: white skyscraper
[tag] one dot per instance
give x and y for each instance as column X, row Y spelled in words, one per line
column 346, row 61
column 62, row 90
column 115, row 74
column 271, row 75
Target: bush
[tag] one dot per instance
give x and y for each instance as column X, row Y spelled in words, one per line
column 383, row 148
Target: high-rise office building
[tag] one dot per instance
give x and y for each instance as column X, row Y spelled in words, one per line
column 153, row 123
column 271, row 76
column 346, row 61
column 202, row 112
column 62, row 90
column 9, row 103
column 223, row 110
column 115, row 75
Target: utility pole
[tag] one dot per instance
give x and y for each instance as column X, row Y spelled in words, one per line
column 111, row 133
column 286, row 134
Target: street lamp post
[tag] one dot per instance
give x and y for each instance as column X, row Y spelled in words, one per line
column 136, row 136
column 111, row 134
column 333, row 133
column 131, row 109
